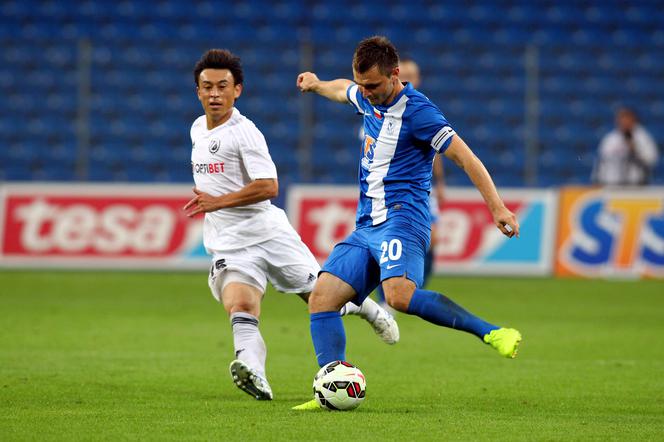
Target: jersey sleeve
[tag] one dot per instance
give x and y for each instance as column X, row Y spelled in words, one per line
column 355, row 98
column 429, row 125
column 255, row 155
column 194, row 128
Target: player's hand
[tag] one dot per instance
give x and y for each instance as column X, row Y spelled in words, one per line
column 201, row 203
column 506, row 222
column 307, row 81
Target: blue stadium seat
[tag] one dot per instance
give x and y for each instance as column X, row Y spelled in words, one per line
column 16, row 171
column 471, row 59
column 15, row 9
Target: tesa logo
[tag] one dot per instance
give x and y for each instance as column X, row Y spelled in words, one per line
column 99, row 226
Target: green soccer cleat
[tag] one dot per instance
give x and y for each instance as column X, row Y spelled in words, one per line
column 505, row 340
column 309, row 405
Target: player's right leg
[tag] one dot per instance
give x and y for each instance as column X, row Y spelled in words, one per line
column 327, row 329
column 349, row 274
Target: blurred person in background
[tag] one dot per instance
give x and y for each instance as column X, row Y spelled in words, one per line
column 627, row 155
column 250, row 240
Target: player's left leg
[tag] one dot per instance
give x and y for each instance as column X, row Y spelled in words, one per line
column 238, row 281
column 401, row 266
column 441, row 310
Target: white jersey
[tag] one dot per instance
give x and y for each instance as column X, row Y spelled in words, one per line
column 224, row 160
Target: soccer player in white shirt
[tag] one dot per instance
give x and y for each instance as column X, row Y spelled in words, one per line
column 250, row 240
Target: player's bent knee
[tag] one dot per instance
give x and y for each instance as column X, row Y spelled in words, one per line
column 243, row 306
column 398, row 302
column 398, row 293
column 241, row 298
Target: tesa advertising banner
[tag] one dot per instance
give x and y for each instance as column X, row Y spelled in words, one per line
column 467, row 242
column 99, row 226
column 611, row 233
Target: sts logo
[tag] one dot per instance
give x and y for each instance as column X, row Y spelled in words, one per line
column 368, row 150
column 611, row 233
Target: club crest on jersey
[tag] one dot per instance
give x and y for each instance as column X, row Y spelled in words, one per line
column 368, row 147
column 390, row 126
column 214, row 146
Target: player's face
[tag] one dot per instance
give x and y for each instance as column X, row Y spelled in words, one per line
column 217, row 93
column 375, row 86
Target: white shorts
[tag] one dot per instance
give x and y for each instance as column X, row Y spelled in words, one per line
column 285, row 261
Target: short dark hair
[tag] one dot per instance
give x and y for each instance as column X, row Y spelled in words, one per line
column 376, row 51
column 220, row 59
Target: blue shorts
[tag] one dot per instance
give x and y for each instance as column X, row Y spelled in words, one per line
column 372, row 254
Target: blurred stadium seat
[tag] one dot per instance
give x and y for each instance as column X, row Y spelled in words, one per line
column 591, row 57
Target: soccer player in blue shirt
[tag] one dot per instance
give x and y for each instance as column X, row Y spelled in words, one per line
column 403, row 131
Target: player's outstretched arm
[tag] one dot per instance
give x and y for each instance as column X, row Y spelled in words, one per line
column 459, row 152
column 254, row 192
column 334, row 90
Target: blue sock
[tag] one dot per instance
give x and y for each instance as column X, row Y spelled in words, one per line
column 440, row 310
column 327, row 332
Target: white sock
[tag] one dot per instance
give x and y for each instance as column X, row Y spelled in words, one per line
column 367, row 311
column 349, row 309
column 249, row 345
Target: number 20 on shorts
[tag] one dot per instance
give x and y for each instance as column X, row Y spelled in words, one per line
column 390, row 251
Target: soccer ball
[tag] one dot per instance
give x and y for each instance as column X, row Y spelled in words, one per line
column 339, row 385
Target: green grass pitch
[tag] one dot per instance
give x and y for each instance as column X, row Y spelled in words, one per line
column 127, row 356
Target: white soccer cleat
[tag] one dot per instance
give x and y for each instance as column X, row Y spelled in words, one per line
column 249, row 381
column 386, row 327
column 386, row 306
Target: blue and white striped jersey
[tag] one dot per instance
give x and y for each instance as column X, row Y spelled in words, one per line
column 400, row 141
